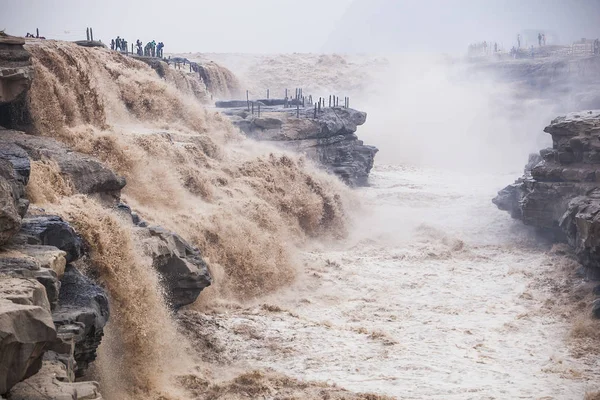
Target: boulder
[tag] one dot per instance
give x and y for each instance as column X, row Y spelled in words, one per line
column 26, row 328
column 182, row 269
column 86, row 174
column 52, row 230
column 80, row 318
column 559, row 192
column 52, row 382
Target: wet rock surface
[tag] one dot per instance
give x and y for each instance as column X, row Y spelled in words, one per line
column 182, row 269
column 327, row 137
column 48, row 309
column 559, row 193
column 16, row 74
column 52, row 230
column 86, row 174
column 81, row 316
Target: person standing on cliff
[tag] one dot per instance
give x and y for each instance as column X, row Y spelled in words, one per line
column 112, row 44
column 518, row 41
column 540, row 39
column 118, row 43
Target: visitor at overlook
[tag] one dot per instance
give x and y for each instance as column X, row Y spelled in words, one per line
column 118, row 43
column 112, row 44
column 159, row 49
column 518, row 41
column 540, row 39
column 138, row 45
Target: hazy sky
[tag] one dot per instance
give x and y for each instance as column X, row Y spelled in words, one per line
column 269, row 26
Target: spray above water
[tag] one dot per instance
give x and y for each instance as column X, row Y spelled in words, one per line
column 247, row 207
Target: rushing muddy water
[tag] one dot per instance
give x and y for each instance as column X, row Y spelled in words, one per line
column 437, row 295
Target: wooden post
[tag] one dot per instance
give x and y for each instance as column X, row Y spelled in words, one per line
column 248, row 101
column 267, row 94
column 252, row 108
column 348, row 104
column 87, row 33
column 286, row 93
column 302, row 101
column 37, row 32
column 258, row 110
column 315, row 111
column 297, row 109
column 131, row 48
column 91, row 34
column 329, row 101
column 319, row 104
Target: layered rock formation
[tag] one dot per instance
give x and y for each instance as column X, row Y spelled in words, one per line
column 47, row 308
column 560, row 191
column 16, row 74
column 327, row 137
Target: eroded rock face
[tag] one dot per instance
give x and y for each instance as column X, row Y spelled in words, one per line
column 46, row 264
column 560, row 194
column 52, row 230
column 86, row 174
column 52, row 382
column 16, row 74
column 80, row 317
column 183, row 271
column 26, row 328
column 329, row 138
column 14, row 175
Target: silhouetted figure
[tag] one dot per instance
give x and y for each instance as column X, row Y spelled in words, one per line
column 118, row 43
column 597, row 46
column 519, row 41
column 138, row 45
column 112, row 44
column 544, row 39
column 495, row 47
column 540, row 39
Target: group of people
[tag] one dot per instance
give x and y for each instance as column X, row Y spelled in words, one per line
column 597, row 46
column 118, row 44
column 482, row 48
column 151, row 49
column 541, row 39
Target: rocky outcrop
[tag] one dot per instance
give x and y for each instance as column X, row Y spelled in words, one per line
column 183, row 271
column 47, row 307
column 327, row 137
column 560, row 194
column 80, row 318
column 86, row 174
column 14, row 175
column 52, row 382
column 52, row 230
column 16, row 74
column 26, row 328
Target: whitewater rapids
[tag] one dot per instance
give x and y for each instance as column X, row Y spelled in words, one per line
column 436, row 295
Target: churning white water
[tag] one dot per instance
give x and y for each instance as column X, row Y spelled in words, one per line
column 437, row 295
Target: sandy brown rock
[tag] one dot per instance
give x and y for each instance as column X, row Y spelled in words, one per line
column 53, row 383
column 26, row 328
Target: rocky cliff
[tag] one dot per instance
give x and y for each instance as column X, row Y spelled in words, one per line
column 52, row 316
column 327, row 137
column 560, row 191
column 16, row 74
